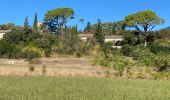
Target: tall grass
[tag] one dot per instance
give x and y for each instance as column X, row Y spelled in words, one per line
column 55, row 88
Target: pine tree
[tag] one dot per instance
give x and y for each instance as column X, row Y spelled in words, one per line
column 100, row 38
column 88, row 28
column 26, row 24
column 35, row 27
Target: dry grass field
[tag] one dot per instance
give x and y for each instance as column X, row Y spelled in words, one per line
column 54, row 66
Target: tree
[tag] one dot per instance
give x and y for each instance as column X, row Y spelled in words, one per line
column 35, row 27
column 26, row 24
column 89, row 27
column 143, row 22
column 57, row 18
column 8, row 26
column 98, row 33
column 121, row 26
column 108, row 28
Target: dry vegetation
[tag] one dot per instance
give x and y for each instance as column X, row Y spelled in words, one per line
column 54, row 66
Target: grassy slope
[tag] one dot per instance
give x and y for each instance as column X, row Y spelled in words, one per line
column 47, row 88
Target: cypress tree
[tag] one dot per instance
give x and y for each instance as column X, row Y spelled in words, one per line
column 35, row 27
column 98, row 33
column 88, row 27
column 26, row 24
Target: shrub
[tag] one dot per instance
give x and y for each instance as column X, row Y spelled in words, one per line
column 160, row 46
column 78, row 54
column 47, row 52
column 103, row 60
column 44, row 70
column 122, row 62
column 107, row 47
column 31, row 68
column 10, row 50
column 161, row 75
column 144, row 56
column 127, row 50
column 30, row 52
column 161, row 62
column 129, row 38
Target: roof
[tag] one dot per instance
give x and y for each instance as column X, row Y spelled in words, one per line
column 5, row 31
column 107, row 37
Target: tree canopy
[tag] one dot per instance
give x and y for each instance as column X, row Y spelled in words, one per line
column 58, row 18
column 143, row 21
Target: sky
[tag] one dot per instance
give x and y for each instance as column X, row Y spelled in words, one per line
column 15, row 11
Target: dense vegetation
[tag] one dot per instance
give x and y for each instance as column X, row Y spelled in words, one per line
column 141, row 47
column 53, row 88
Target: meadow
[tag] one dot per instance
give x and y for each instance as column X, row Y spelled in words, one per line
column 76, row 88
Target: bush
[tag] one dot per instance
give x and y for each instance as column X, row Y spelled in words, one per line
column 127, row 50
column 103, row 60
column 129, row 38
column 31, row 68
column 160, row 46
column 10, row 50
column 161, row 62
column 78, row 54
column 144, row 56
column 161, row 75
column 44, row 70
column 122, row 62
column 107, row 47
column 30, row 52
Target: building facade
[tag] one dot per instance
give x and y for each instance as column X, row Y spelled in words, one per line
column 2, row 32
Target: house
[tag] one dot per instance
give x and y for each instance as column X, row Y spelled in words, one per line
column 108, row 38
column 2, row 32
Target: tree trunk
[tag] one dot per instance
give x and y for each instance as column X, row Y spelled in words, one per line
column 145, row 39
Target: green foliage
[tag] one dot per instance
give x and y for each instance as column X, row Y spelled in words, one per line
column 121, row 26
column 15, row 36
column 127, row 50
column 19, row 36
column 57, row 19
column 120, row 63
column 44, row 70
column 163, row 34
column 103, row 60
column 109, row 28
column 31, row 52
column 144, row 56
column 145, row 19
column 62, row 12
column 132, row 38
column 75, row 88
column 69, row 42
column 160, row 46
column 26, row 24
column 99, row 36
column 31, row 68
column 162, row 62
column 43, row 43
column 161, row 75
column 10, row 50
column 78, row 54
column 107, row 47
column 89, row 27
column 35, row 27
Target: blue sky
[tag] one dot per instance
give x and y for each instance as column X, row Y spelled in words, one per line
column 107, row 10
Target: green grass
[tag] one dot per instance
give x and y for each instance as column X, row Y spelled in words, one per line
column 55, row 88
